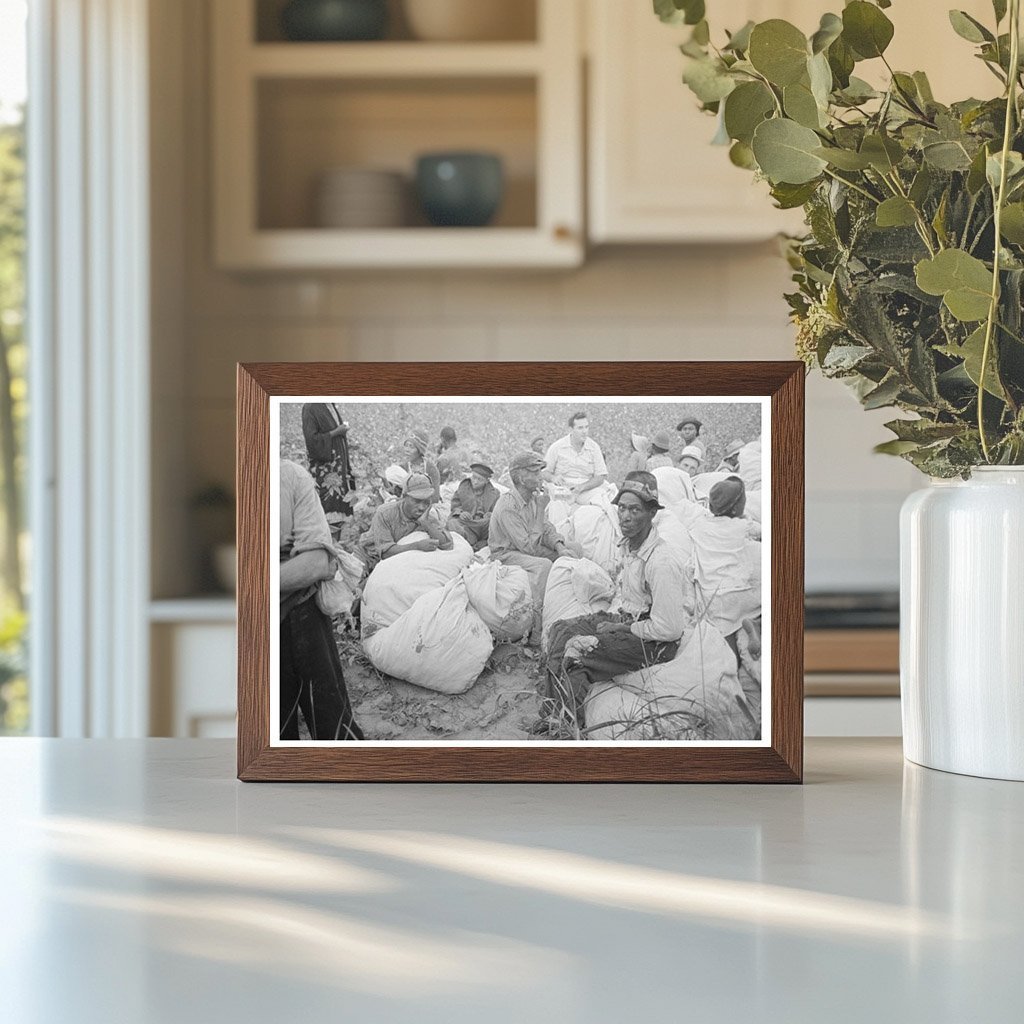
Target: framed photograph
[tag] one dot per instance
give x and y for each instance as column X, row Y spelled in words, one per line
column 513, row 572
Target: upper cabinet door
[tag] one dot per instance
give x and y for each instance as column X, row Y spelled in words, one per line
column 653, row 174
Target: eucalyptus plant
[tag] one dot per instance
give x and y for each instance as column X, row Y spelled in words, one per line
column 909, row 279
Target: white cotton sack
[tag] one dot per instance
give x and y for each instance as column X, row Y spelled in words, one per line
column 750, row 465
column 440, row 643
column 703, row 482
column 335, row 597
column 596, row 529
column 752, row 510
column 674, row 533
column 674, row 486
column 666, row 701
column 576, row 586
column 501, row 596
column 397, row 582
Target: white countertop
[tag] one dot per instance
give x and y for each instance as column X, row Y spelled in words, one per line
column 144, row 885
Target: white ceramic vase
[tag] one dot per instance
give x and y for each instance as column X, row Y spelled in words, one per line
column 962, row 624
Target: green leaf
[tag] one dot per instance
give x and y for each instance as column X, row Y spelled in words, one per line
column 1014, row 169
column 963, row 281
column 866, row 29
column 885, row 394
column 971, row 352
column 968, row 28
column 946, row 156
column 829, row 30
column 778, row 50
column 800, row 105
column 745, row 108
column 679, row 12
column 921, row 186
column 924, row 88
column 1011, row 226
column 976, row 174
column 844, row 159
column 896, row 212
column 883, row 153
column 707, row 80
column 895, row 447
column 739, row 41
column 841, row 60
column 789, row 197
column 742, row 155
column 785, row 152
column 820, row 75
column 923, row 431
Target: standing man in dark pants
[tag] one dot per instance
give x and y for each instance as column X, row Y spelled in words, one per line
column 311, row 676
column 645, row 631
column 326, row 435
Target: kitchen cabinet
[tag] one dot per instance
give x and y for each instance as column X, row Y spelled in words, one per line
column 653, row 175
column 286, row 113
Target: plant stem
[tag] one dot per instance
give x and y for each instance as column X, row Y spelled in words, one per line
column 855, row 187
column 993, row 309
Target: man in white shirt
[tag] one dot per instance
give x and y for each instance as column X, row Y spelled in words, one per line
column 646, row 629
column 575, row 461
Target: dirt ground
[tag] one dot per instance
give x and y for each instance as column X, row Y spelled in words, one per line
column 502, row 704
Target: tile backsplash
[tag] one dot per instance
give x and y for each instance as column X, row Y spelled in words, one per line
column 719, row 302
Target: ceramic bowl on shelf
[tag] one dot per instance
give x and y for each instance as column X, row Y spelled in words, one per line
column 470, row 20
column 460, row 189
column 361, row 198
column 332, row 21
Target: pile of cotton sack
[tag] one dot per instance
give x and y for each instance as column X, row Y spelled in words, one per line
column 432, row 617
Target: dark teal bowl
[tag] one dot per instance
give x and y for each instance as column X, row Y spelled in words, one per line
column 460, row 190
column 334, row 21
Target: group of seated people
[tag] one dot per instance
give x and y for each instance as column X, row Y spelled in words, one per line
column 512, row 520
column 514, row 523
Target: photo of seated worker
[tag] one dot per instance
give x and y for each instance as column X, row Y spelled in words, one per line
column 472, row 505
column 397, row 519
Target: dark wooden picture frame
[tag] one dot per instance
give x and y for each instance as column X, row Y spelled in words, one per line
column 781, row 761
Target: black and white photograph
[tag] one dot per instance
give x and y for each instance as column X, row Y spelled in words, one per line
column 460, row 570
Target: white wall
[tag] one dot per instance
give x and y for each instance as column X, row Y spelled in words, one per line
column 653, row 303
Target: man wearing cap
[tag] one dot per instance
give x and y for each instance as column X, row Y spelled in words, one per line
column 472, row 505
column 397, row 519
column 521, row 534
column 660, row 451
column 646, row 630
column 689, row 431
column 575, row 461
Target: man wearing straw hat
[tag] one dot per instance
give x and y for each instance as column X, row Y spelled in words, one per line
column 645, row 631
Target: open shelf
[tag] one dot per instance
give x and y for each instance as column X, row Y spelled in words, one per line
column 286, row 114
column 306, row 128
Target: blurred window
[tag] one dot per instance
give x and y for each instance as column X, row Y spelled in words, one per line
column 14, row 547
